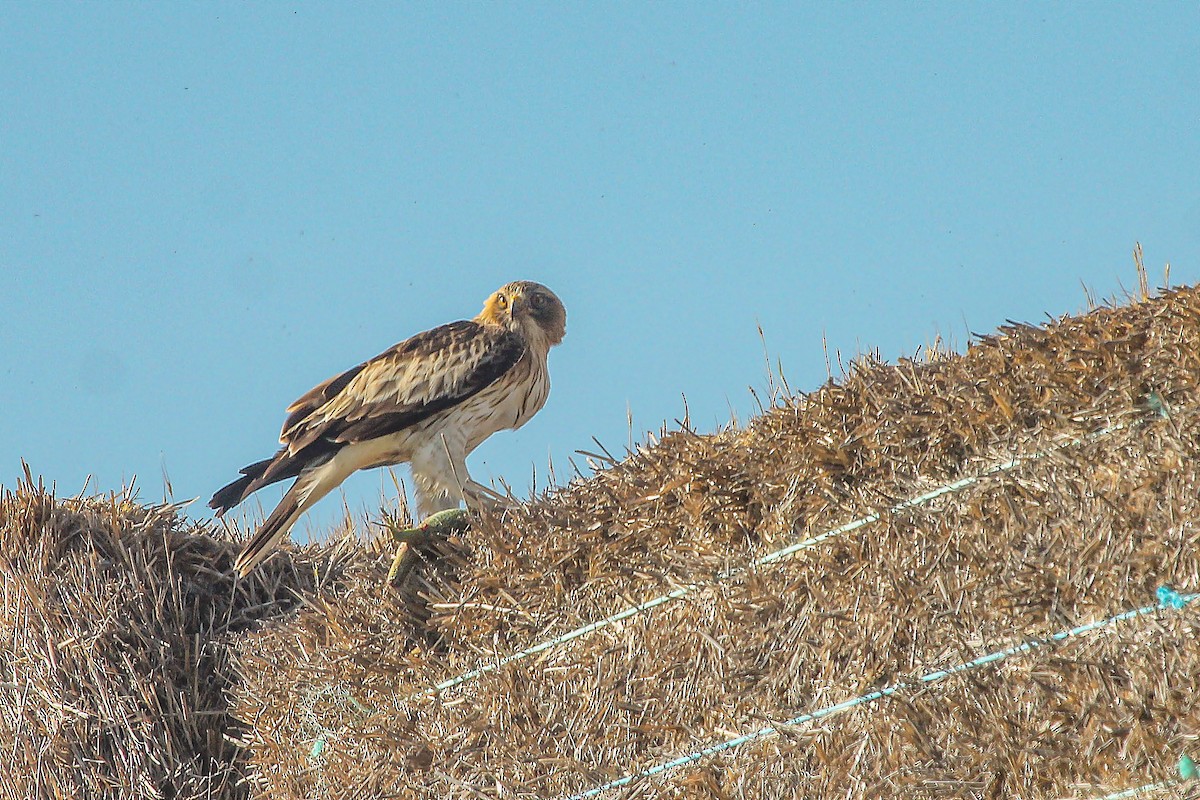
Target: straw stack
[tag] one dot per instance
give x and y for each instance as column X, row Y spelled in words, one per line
column 116, row 626
column 1083, row 436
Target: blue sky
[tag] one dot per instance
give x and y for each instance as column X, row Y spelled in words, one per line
column 205, row 209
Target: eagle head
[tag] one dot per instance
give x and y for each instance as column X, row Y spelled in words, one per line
column 530, row 308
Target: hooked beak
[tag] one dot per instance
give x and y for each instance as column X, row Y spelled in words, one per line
column 517, row 304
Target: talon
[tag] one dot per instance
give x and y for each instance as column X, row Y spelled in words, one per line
column 484, row 497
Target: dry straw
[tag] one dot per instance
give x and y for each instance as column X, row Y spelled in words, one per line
column 116, row 626
column 1094, row 418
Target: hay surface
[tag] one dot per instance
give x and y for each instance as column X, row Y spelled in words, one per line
column 116, row 625
column 340, row 697
column 131, row 664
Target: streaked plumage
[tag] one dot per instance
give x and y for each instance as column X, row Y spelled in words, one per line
column 429, row 401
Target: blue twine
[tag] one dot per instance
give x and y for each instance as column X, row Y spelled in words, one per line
column 1158, row 405
column 323, row 731
column 1135, row 791
column 318, row 747
column 1169, row 597
column 778, row 555
column 1173, row 600
column 1186, row 767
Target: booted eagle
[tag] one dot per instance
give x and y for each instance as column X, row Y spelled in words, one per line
column 428, row 401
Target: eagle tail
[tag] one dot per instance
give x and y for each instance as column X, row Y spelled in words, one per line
column 281, row 466
column 313, row 484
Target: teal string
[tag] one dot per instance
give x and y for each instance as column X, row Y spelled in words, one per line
column 1167, row 600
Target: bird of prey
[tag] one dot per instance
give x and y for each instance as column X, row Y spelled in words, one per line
column 428, row 401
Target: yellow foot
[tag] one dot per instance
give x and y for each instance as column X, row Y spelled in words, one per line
column 484, row 498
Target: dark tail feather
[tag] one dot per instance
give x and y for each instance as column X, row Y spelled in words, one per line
column 229, row 496
column 254, row 477
column 260, row 546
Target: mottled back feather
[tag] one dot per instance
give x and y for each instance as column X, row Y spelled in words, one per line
column 404, row 385
column 318, row 396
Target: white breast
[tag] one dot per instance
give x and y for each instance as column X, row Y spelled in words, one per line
column 508, row 403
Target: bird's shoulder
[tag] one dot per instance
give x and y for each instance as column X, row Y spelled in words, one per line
column 443, row 360
column 449, row 337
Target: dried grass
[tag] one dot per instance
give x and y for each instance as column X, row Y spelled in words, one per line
column 116, row 625
column 334, row 700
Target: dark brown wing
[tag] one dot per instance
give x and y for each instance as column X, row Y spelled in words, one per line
column 318, row 396
column 402, row 386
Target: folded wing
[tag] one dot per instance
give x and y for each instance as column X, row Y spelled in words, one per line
column 402, row 386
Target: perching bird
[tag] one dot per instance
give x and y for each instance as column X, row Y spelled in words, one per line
column 428, row 401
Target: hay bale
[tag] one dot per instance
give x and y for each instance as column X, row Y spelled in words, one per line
column 115, row 663
column 342, row 700
column 133, row 665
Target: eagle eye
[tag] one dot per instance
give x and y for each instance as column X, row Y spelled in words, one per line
column 501, row 301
